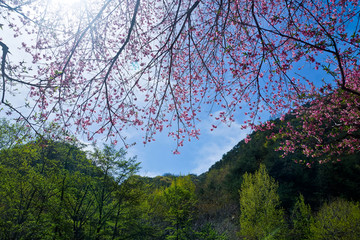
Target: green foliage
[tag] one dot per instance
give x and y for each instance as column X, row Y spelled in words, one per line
column 338, row 220
column 54, row 190
column 316, row 184
column 219, row 186
column 209, row 233
column 12, row 134
column 301, row 219
column 51, row 190
column 108, row 188
column 20, row 188
column 260, row 213
column 172, row 208
column 113, row 163
column 180, row 200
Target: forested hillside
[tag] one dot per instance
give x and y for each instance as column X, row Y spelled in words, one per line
column 57, row 190
column 321, row 183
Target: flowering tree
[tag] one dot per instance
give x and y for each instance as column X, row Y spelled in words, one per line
column 108, row 65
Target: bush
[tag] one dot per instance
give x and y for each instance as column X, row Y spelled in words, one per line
column 337, row 220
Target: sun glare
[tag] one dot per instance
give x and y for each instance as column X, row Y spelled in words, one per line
column 69, row 4
column 67, row 10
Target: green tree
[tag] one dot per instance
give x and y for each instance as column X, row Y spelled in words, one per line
column 301, row 219
column 338, row 220
column 26, row 189
column 12, row 134
column 261, row 216
column 180, row 200
column 132, row 219
column 114, row 170
column 52, row 190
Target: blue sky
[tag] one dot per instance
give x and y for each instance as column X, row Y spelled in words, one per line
column 195, row 157
column 157, row 157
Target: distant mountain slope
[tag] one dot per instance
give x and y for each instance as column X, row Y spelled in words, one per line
column 218, row 188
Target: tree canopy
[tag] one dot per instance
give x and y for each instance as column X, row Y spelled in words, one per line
column 103, row 66
column 51, row 190
column 260, row 216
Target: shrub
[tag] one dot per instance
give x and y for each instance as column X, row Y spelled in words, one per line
column 337, row 220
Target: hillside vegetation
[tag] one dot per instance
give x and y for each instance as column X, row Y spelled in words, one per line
column 57, row 190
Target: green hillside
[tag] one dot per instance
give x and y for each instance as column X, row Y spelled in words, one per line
column 218, row 189
column 57, row 190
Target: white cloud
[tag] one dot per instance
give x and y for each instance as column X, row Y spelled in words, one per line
column 218, row 142
column 149, row 174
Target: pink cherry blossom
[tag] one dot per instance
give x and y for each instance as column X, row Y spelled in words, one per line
column 151, row 65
